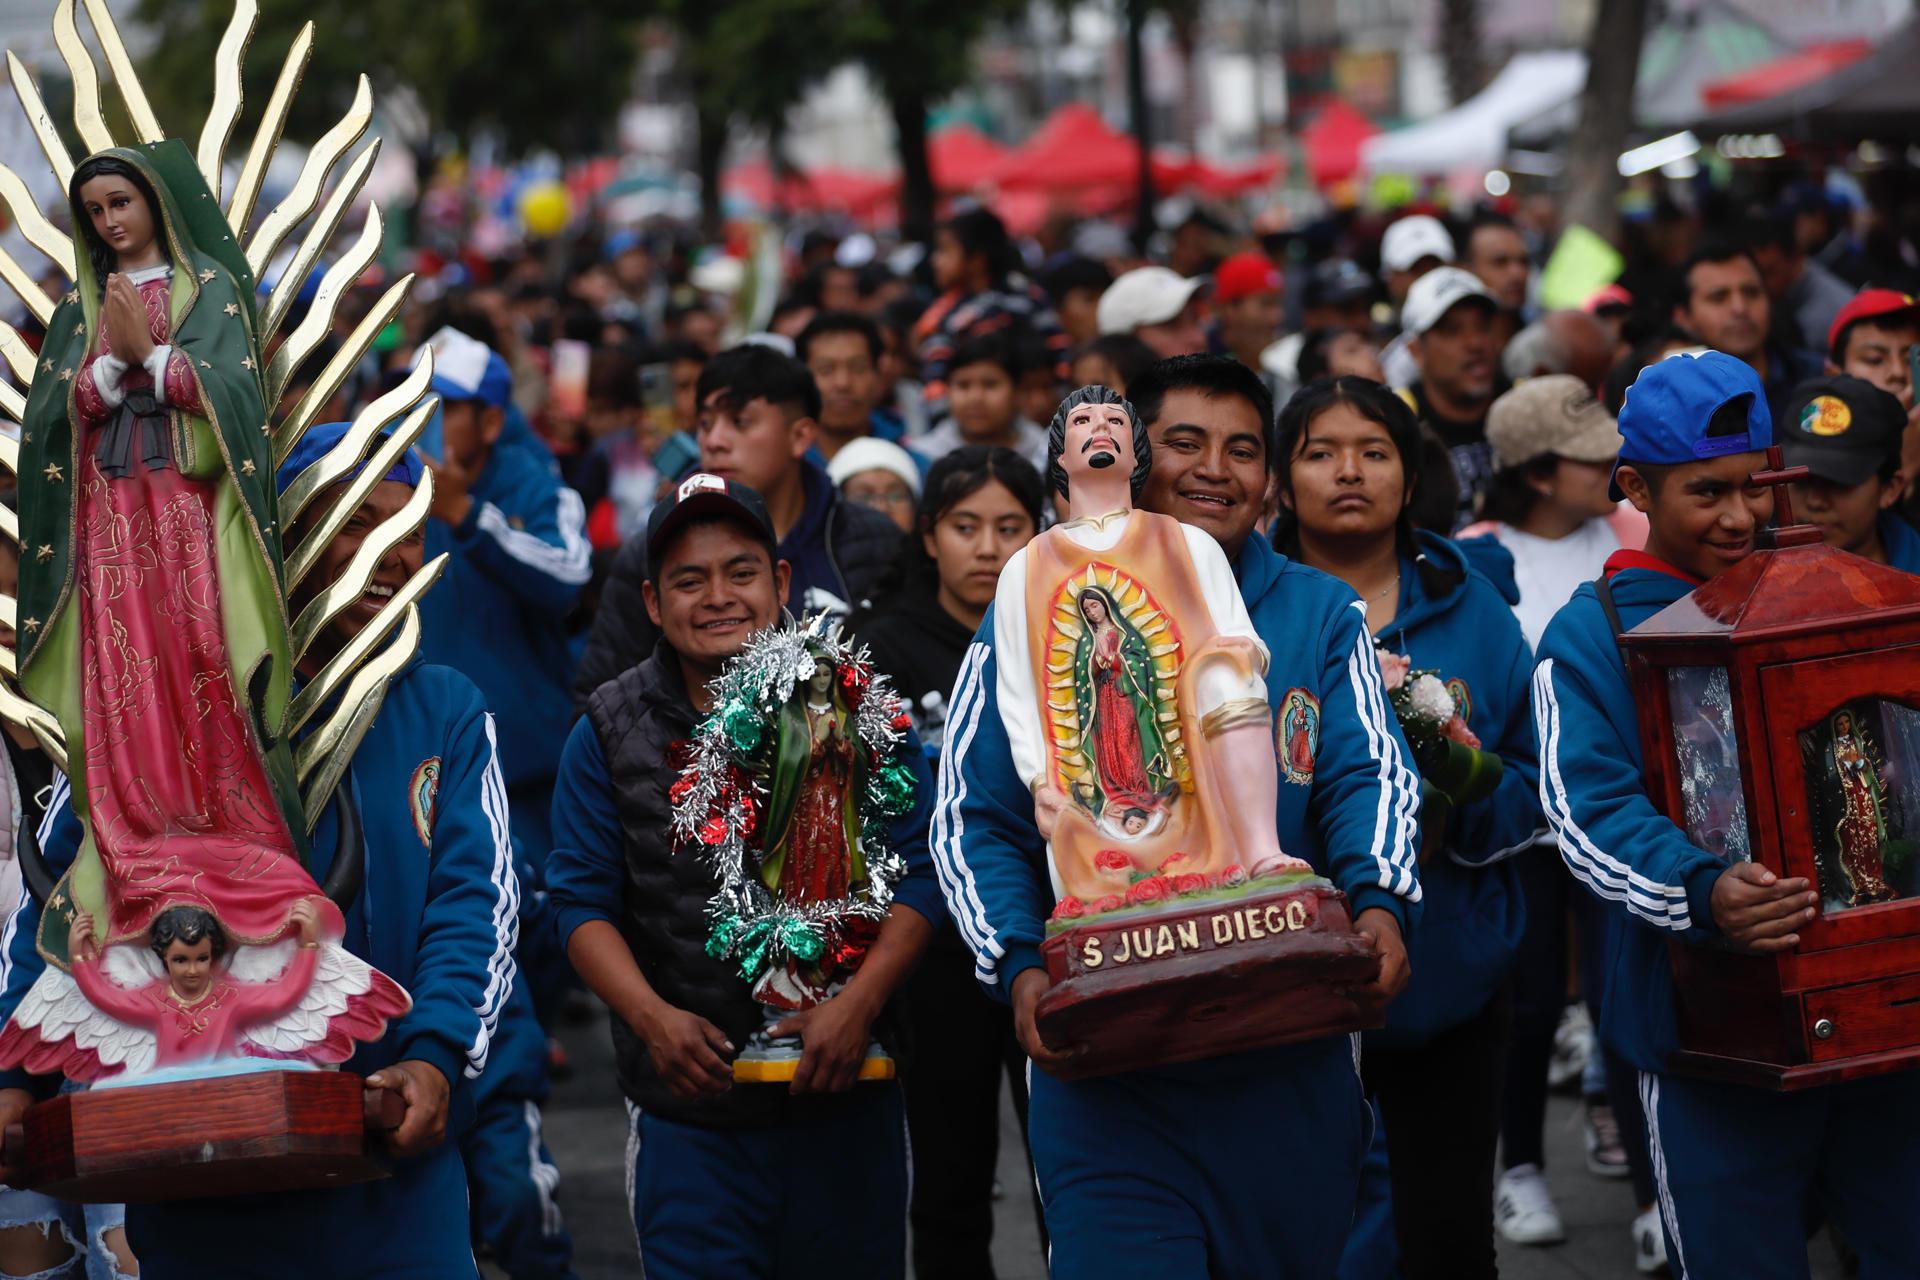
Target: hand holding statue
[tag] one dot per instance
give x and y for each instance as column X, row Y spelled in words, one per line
column 80, row 943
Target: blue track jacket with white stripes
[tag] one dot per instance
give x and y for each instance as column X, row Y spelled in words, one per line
column 499, row 614
column 1353, row 816
column 1593, row 787
column 1453, row 620
column 439, row 910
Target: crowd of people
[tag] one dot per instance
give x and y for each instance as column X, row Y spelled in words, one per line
column 1394, row 446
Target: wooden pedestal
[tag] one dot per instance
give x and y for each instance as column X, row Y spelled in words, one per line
column 229, row 1135
column 1200, row 981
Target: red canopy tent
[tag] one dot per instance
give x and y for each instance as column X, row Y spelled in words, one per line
column 963, row 158
column 1072, row 148
column 1332, row 142
column 857, row 194
column 1783, row 74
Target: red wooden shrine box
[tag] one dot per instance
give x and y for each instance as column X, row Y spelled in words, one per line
column 1779, row 710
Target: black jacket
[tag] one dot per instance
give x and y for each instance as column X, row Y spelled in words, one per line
column 861, row 543
column 638, row 719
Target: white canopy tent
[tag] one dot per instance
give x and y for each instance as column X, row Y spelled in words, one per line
column 1473, row 135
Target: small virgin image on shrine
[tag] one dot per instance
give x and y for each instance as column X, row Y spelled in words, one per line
column 1862, row 765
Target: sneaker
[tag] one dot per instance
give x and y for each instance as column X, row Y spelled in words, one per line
column 1573, row 1044
column 1649, row 1244
column 1606, row 1154
column 1523, row 1208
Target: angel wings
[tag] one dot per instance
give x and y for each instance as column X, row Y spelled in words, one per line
column 257, row 1008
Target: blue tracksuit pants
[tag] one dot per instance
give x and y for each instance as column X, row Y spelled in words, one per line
column 1240, row 1168
column 819, row 1198
column 514, row 1183
column 1743, row 1173
column 412, row 1226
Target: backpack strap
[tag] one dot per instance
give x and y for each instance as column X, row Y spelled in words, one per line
column 1604, row 590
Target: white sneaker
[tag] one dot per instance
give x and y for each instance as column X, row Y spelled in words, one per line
column 1573, row 1044
column 1649, row 1243
column 1523, row 1207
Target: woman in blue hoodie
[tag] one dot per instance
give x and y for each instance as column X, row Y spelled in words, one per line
column 1349, row 460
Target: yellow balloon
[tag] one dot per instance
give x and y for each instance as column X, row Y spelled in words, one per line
column 545, row 208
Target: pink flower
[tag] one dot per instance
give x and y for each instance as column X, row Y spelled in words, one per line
column 1234, row 876
column 1112, row 860
column 1394, row 668
column 1112, row 902
column 1146, row 892
column 1069, row 908
column 1172, row 863
column 1456, row 730
column 1189, row 883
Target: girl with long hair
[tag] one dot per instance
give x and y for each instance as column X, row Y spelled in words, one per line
column 1349, row 462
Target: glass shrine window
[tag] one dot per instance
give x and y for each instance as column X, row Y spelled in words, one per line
column 1708, row 755
column 1862, row 766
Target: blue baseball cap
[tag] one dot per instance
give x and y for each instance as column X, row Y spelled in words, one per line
column 464, row 368
column 1664, row 420
column 321, row 438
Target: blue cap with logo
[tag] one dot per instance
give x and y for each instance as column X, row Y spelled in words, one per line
column 320, row 440
column 1669, row 406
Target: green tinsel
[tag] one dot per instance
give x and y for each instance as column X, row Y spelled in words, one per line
column 891, row 788
column 803, row 942
column 720, row 941
column 744, row 726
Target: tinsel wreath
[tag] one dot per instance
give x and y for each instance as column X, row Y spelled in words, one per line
column 721, row 793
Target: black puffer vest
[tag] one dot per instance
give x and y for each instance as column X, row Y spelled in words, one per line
column 638, row 718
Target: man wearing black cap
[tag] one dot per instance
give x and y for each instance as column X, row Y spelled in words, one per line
column 1847, row 433
column 725, row 1180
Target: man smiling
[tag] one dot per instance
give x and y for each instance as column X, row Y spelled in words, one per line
column 1102, row 1146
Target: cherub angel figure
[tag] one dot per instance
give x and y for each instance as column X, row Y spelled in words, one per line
column 121, row 1011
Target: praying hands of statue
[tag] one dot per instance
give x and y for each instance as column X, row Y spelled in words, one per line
column 80, row 943
column 124, row 316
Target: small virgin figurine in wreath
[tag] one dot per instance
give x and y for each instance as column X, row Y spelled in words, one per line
column 153, row 624
column 794, row 781
column 1861, row 831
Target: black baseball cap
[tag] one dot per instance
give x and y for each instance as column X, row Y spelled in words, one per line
column 705, row 496
column 1843, row 429
column 1337, row 281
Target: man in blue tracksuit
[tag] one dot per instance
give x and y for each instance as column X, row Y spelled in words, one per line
column 520, row 557
column 511, row 1177
column 1173, row 1171
column 726, row 1179
column 1848, row 434
column 1740, row 1170
column 436, row 913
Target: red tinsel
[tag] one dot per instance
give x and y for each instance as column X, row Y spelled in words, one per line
column 854, row 680
column 713, row 830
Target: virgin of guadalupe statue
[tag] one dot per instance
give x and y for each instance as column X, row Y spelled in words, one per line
column 813, row 825
column 1861, row 831
column 1114, row 691
column 153, row 616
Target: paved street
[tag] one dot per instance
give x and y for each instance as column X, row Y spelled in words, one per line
column 586, row 1126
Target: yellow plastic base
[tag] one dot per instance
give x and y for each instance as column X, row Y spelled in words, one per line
column 782, row 1070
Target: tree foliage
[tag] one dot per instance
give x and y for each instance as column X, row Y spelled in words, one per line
column 547, row 74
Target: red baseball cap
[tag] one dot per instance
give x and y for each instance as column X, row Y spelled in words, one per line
column 1245, row 274
column 1869, row 304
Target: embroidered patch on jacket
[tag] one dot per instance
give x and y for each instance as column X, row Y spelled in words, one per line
column 1297, row 735
column 1462, row 698
column 421, row 790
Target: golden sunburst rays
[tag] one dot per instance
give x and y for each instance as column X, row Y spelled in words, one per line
column 343, row 701
column 1065, row 627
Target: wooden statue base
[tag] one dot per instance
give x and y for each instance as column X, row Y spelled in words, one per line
column 1198, row 981
column 228, row 1135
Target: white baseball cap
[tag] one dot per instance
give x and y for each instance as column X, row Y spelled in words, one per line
column 1413, row 238
column 1438, row 292
column 1145, row 295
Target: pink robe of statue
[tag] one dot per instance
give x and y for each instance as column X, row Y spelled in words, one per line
column 177, row 795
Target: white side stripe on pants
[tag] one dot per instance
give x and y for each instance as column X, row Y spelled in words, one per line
column 1669, row 1216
